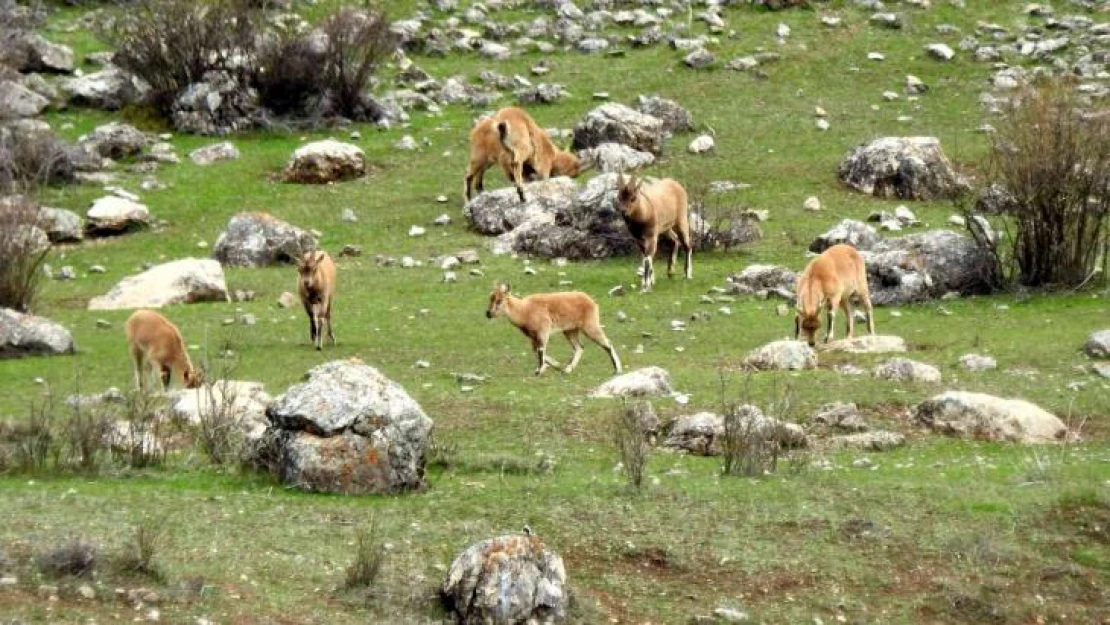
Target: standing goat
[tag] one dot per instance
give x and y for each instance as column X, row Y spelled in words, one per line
column 653, row 209
column 316, row 286
column 829, row 281
column 541, row 314
column 156, row 345
column 511, row 138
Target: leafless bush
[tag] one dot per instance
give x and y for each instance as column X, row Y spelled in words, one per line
column 75, row 558
column 31, row 445
column 748, row 447
column 369, row 556
column 32, row 158
column 85, row 437
column 718, row 224
column 172, row 43
column 23, row 249
column 289, row 78
column 632, row 440
column 137, row 441
column 358, row 41
column 1053, row 158
column 219, row 432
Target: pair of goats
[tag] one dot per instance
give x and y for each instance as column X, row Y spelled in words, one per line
column 157, row 345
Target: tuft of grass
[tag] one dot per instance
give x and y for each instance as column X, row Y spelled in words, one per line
column 75, row 558
column 631, row 440
column 368, row 558
column 140, row 554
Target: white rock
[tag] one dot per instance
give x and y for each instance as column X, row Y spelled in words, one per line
column 113, row 214
column 981, row 416
column 906, row 370
column 940, row 51
column 812, row 203
column 646, row 382
column 179, row 282
column 416, row 231
column 702, row 144
column 867, row 344
column 975, row 362
column 789, row 355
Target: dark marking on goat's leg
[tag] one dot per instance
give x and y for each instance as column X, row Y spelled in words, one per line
column 167, row 374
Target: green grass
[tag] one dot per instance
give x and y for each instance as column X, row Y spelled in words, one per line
column 957, row 529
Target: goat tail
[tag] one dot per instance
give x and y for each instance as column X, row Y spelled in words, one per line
column 503, row 133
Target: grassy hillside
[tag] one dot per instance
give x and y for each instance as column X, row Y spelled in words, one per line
column 939, row 531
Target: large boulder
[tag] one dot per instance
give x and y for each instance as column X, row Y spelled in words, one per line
column 216, row 105
column 715, row 232
column 782, row 355
column 617, row 123
column 61, row 225
column 117, row 140
column 17, row 101
column 39, row 55
column 764, row 281
column 646, row 382
column 325, row 161
column 615, row 157
column 111, row 89
column 260, row 240
column 977, row 415
column 703, row 433
column 906, row 370
column 349, row 429
column 849, row 232
column 236, row 403
column 1098, row 344
column 505, row 581
column 28, row 335
column 909, row 168
column 842, row 416
column 500, row 211
column 111, row 215
column 675, row 118
column 179, row 282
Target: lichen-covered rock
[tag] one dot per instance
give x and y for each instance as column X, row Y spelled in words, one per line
column 849, row 232
column 782, row 355
column 703, row 433
column 724, row 234
column 182, row 281
column 17, row 101
column 110, row 89
column 840, row 415
column 764, row 280
column 977, row 362
column 878, row 440
column 61, row 225
column 28, row 335
column 500, row 211
column 675, row 118
column 117, row 140
column 646, row 382
column 325, row 161
column 982, row 416
column 36, row 54
column 349, row 429
column 1098, row 344
column 261, row 240
column 235, row 402
column 615, row 157
column 906, row 370
column 111, row 215
column 909, row 168
column 508, row 580
column 867, row 344
column 617, row 123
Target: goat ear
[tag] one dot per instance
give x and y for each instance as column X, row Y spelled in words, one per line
column 506, row 288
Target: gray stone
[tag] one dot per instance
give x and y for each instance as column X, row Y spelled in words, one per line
column 940, row 51
column 878, row 440
column 182, row 281
column 504, row 580
column 110, row 89
column 240, row 403
column 260, row 240
column 985, row 417
column 764, row 280
column 28, row 335
column 703, row 433
column 849, row 231
column 218, row 104
column 701, row 144
column 348, row 429
column 782, row 355
column 674, row 116
column 117, row 140
column 976, row 362
column 911, row 168
column 646, row 382
column 906, row 370
column 40, row 55
column 615, row 157
column 843, row 416
column 62, row 226
column 542, row 93
column 617, row 123
column 17, row 101
column 325, row 161
column 114, row 215
column 223, row 151
column 699, row 59
column 1098, row 344
column 867, row 344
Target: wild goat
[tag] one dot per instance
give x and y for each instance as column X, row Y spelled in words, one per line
column 540, row 314
column 511, row 138
column 156, row 345
column 829, row 281
column 316, row 286
column 653, row 209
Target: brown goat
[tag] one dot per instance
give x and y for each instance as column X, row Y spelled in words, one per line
column 316, row 287
column 541, row 314
column 654, row 209
column 512, row 139
column 156, row 345
column 829, row 281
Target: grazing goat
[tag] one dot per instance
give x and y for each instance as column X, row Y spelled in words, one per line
column 540, row 314
column 511, row 138
column 316, row 286
column 829, row 281
column 654, row 209
column 156, row 345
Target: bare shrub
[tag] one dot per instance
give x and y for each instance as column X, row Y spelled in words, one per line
column 85, row 436
column 23, row 248
column 632, row 440
column 172, row 43
column 139, row 554
column 749, row 447
column 718, row 224
column 75, row 558
column 32, row 158
column 33, row 443
column 219, row 431
column 369, row 555
column 358, row 42
column 1052, row 155
column 137, row 441
column 289, row 79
